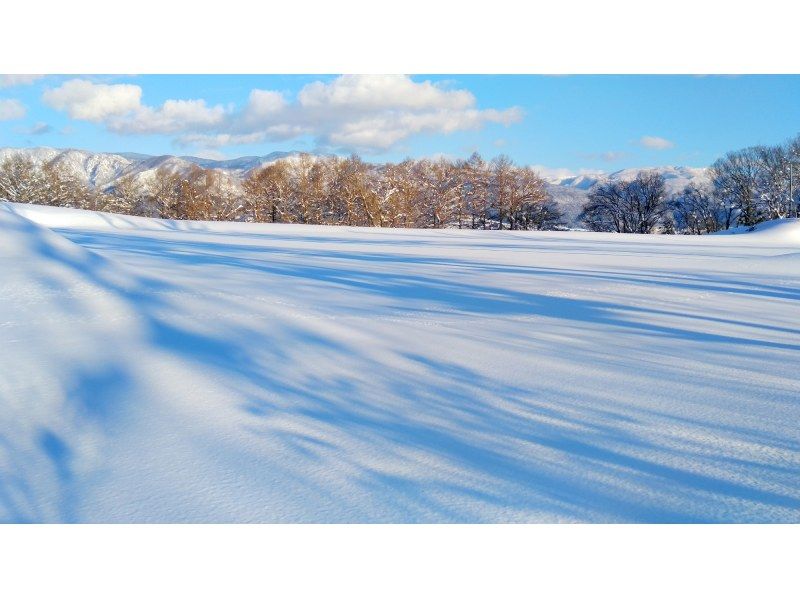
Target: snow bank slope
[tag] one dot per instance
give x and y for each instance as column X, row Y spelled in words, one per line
column 774, row 231
column 159, row 371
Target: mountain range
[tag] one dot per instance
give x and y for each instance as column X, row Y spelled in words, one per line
column 100, row 170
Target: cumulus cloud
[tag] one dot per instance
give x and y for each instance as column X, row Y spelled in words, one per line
column 173, row 116
column 263, row 105
column 84, row 100
column 655, row 143
column 357, row 112
column 119, row 107
column 376, row 112
column 377, row 92
column 11, row 110
column 14, row 80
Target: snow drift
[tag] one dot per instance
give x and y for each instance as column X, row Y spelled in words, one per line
column 785, row 231
column 158, row 371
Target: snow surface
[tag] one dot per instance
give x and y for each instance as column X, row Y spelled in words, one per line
column 161, row 371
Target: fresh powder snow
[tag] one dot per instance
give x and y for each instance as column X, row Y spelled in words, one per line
column 165, row 371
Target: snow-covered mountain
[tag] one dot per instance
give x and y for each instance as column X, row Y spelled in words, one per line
column 243, row 164
column 570, row 192
column 101, row 170
column 676, row 177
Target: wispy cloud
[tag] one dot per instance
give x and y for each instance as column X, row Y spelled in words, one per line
column 11, row 110
column 359, row 112
column 611, row 156
column 14, row 80
column 655, row 143
column 40, row 128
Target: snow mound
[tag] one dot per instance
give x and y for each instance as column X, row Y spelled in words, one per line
column 785, row 231
column 56, row 217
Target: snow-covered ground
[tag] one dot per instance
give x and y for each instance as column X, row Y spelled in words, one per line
column 214, row 372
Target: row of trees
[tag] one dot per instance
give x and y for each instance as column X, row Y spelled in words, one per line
column 22, row 181
column 414, row 193
column 440, row 193
column 744, row 187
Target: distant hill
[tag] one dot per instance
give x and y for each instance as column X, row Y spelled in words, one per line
column 101, row 170
column 571, row 192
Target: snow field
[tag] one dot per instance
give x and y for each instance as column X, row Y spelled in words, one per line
column 160, row 371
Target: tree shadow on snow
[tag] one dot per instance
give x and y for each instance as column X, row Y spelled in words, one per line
column 454, row 447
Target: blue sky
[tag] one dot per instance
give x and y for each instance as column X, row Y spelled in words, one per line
column 570, row 122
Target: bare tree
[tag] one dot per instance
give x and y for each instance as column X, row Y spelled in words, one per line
column 735, row 180
column 604, row 211
column 772, row 181
column 164, row 192
column 128, row 196
column 501, row 187
column 307, row 193
column 695, row 211
column 530, row 206
column 349, row 193
column 635, row 206
column 21, row 180
column 793, row 155
column 476, row 187
column 646, row 201
column 398, row 187
column 267, row 191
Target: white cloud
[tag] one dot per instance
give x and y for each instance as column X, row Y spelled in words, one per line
column 378, row 92
column 173, row 116
column 354, row 112
column 263, row 105
column 361, row 112
column 376, row 112
column 11, row 110
column 210, row 141
column 656, row 143
column 385, row 129
column 119, row 107
column 84, row 100
column 14, row 80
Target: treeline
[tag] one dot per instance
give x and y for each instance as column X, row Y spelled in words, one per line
column 744, row 187
column 308, row 189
